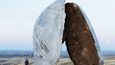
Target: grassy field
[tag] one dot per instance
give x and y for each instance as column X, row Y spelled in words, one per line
column 109, row 60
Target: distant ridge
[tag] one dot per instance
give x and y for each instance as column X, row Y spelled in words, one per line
column 16, row 53
column 108, row 53
column 24, row 53
column 29, row 53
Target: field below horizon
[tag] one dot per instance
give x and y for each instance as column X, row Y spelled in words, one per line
column 19, row 57
column 110, row 60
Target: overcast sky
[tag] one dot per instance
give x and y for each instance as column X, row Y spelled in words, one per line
column 17, row 18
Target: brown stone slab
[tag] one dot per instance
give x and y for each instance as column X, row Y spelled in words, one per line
column 78, row 37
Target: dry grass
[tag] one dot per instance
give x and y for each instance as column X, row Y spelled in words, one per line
column 64, row 61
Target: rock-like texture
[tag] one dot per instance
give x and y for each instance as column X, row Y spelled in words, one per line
column 47, row 35
column 79, row 38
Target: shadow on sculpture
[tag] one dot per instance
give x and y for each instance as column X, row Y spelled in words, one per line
column 78, row 37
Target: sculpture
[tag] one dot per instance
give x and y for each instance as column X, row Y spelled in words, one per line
column 78, row 34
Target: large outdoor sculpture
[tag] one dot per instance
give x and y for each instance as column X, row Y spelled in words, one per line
column 61, row 22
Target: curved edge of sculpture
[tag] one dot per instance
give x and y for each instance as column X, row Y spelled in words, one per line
column 95, row 38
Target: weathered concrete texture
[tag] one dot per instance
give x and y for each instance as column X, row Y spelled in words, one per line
column 79, row 39
column 47, row 34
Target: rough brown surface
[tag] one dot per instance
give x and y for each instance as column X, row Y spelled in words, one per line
column 78, row 37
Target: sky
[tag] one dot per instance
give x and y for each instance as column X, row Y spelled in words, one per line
column 17, row 18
